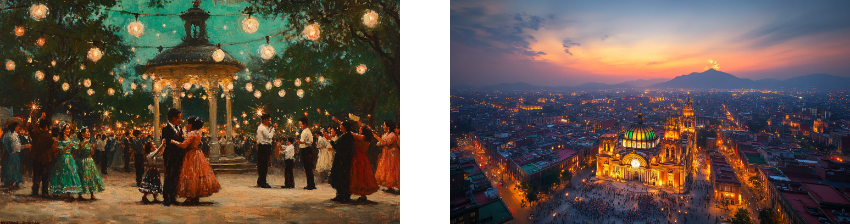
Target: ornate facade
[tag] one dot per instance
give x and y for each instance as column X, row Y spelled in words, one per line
column 639, row 154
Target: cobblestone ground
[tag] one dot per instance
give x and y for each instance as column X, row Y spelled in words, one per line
column 239, row 201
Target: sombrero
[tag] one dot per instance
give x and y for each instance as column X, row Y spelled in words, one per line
column 353, row 117
column 13, row 120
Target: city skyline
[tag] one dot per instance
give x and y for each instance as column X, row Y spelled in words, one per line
column 555, row 44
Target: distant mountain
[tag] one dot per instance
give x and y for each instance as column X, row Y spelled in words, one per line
column 645, row 83
column 708, row 79
column 720, row 80
column 462, row 87
column 510, row 87
column 596, row 85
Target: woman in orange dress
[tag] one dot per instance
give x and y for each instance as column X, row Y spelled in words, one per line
column 388, row 173
column 362, row 178
column 196, row 176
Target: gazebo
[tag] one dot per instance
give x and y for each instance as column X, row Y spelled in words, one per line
column 195, row 62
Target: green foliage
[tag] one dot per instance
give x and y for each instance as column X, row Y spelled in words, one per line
column 530, row 191
column 742, row 216
column 769, row 216
column 566, row 176
column 703, row 135
column 70, row 29
column 550, row 179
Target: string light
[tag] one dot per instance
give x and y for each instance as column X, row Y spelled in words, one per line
column 267, row 51
column 250, row 24
column 249, row 87
column 40, row 42
column 297, row 82
column 65, row 86
column 321, row 79
column 204, row 97
column 187, row 86
column 257, row 94
column 19, row 31
column 133, row 86
column 361, row 69
column 87, row 83
column 110, row 91
column 300, row 93
column 121, row 80
column 370, row 19
column 91, row 92
column 230, row 86
column 136, row 28
column 145, row 76
column 53, row 63
column 95, row 54
column 312, row 32
column 182, row 94
column 39, row 76
column 10, row 65
column 55, row 77
column 268, row 85
column 29, row 60
column 218, row 55
column 277, row 82
column 281, row 93
column 307, row 79
column 38, row 11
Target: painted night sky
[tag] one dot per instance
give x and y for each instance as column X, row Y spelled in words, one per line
column 554, row 43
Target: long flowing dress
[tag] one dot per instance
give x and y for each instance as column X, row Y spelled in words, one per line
column 389, row 172
column 362, row 179
column 90, row 180
column 326, row 156
column 196, row 176
column 118, row 156
column 12, row 167
column 65, row 178
column 151, row 183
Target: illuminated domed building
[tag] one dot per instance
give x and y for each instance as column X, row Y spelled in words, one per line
column 640, row 154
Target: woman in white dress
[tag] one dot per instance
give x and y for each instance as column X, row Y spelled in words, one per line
column 118, row 158
column 326, row 153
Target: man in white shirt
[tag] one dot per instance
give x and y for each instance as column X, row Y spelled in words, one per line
column 289, row 163
column 306, row 146
column 265, row 136
column 101, row 150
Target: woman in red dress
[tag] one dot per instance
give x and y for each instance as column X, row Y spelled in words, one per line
column 388, row 173
column 196, row 176
column 362, row 178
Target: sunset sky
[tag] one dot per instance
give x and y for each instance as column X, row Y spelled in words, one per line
column 556, row 43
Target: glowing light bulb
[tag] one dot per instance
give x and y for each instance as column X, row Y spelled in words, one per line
column 40, row 42
column 91, row 92
column 19, row 31
column 136, row 28
column 110, row 91
column 321, row 79
column 277, row 82
column 297, row 82
column 133, row 86
column 10, row 65
column 300, row 93
column 39, row 75
column 187, row 86
column 218, row 55
column 230, row 86
column 65, row 86
column 55, row 77
column 370, row 19
column 312, row 32
column 38, row 11
column 361, row 69
column 281, row 93
column 307, row 79
column 249, row 87
column 267, row 51
column 53, row 63
column 268, row 85
column 250, row 24
column 145, row 76
column 87, row 83
column 95, row 54
column 257, row 94
column 120, row 79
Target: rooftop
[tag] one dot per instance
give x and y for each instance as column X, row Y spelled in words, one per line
column 799, row 201
column 825, row 193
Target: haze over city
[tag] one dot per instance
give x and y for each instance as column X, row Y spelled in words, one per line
column 570, row 43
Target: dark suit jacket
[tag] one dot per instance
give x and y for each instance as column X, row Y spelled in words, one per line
column 42, row 147
column 341, row 169
column 169, row 134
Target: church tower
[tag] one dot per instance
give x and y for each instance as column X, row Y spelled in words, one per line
column 671, row 145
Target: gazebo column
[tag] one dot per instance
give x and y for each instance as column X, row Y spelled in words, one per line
column 176, row 95
column 156, row 124
column 229, row 147
column 214, row 147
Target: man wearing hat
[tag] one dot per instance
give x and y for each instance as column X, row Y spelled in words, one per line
column 265, row 136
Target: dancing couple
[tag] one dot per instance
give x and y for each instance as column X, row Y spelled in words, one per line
column 187, row 173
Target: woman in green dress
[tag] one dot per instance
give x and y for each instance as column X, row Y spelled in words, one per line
column 89, row 174
column 65, row 179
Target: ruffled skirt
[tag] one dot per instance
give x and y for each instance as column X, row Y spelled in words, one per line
column 90, row 180
column 325, row 161
column 362, row 179
column 389, row 172
column 12, row 169
column 151, row 183
column 65, row 178
column 196, row 177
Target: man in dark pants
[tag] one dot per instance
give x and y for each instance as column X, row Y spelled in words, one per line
column 306, row 148
column 173, row 156
column 127, row 145
column 44, row 151
column 341, row 169
column 138, row 145
column 265, row 136
column 104, row 156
